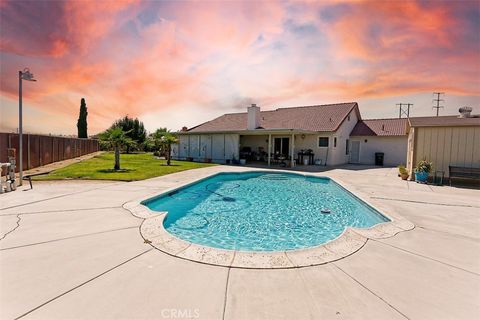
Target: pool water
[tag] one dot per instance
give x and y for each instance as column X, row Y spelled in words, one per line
column 262, row 211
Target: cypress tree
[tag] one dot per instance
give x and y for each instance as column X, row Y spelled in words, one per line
column 82, row 120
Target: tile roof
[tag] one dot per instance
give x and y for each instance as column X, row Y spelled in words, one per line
column 444, row 121
column 326, row 117
column 381, row 127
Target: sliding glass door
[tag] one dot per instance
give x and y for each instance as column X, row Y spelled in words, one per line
column 281, row 146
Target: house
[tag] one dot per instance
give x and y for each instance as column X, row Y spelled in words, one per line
column 445, row 141
column 317, row 133
column 332, row 134
column 387, row 136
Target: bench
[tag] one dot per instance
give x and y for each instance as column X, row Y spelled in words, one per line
column 463, row 173
column 29, row 177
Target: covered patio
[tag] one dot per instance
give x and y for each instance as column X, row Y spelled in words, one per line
column 280, row 147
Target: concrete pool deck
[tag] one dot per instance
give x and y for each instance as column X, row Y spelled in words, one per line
column 70, row 250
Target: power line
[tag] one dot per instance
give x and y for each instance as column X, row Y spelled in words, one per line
column 404, row 109
column 437, row 100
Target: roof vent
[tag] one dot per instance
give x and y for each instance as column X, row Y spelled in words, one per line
column 383, row 127
column 465, row 112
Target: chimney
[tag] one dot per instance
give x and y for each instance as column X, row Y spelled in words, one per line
column 184, row 129
column 465, row 112
column 253, row 121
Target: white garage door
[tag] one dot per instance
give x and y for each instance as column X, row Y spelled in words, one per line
column 205, row 146
column 194, row 150
column 183, row 147
column 218, row 148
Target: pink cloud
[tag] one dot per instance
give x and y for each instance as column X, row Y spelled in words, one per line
column 143, row 57
column 55, row 28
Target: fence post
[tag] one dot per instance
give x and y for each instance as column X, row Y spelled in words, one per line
column 40, row 149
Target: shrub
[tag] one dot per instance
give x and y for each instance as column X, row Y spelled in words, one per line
column 424, row 166
column 402, row 169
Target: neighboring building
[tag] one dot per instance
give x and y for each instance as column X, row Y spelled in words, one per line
column 323, row 129
column 445, row 141
column 387, row 136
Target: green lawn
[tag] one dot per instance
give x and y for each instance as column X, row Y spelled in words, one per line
column 133, row 167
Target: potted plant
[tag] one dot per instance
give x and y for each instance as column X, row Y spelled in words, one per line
column 403, row 172
column 422, row 170
column 189, row 159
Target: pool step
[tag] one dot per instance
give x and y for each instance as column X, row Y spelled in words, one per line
column 274, row 177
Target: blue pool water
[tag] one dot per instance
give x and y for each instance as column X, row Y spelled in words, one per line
column 262, row 211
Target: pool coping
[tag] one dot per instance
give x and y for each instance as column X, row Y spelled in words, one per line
column 350, row 241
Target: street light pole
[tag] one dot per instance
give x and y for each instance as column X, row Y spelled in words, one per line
column 22, row 75
column 20, row 129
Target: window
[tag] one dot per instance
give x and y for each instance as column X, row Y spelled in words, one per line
column 347, row 147
column 335, row 142
column 323, row 142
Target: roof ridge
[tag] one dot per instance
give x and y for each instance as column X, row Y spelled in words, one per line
column 230, row 113
column 297, row 107
column 384, row 119
column 297, row 118
column 315, row 105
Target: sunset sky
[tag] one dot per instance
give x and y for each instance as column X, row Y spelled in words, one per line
column 182, row 63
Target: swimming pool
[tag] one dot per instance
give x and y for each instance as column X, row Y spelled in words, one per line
column 262, row 211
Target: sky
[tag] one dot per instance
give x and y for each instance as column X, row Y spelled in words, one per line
column 181, row 63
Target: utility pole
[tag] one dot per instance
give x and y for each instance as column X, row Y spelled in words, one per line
column 404, row 109
column 437, row 100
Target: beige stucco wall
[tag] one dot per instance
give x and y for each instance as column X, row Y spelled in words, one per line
column 338, row 155
column 394, row 149
column 444, row 146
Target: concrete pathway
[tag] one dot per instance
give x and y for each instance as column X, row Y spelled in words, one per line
column 69, row 250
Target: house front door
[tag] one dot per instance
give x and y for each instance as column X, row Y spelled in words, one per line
column 354, row 151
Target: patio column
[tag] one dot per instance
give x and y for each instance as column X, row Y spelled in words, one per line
column 269, row 147
column 292, row 151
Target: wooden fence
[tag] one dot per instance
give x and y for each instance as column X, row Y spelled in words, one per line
column 39, row 150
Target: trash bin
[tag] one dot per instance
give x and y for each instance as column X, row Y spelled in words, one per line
column 379, row 158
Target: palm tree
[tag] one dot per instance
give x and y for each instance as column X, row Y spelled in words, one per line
column 154, row 140
column 167, row 140
column 115, row 138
